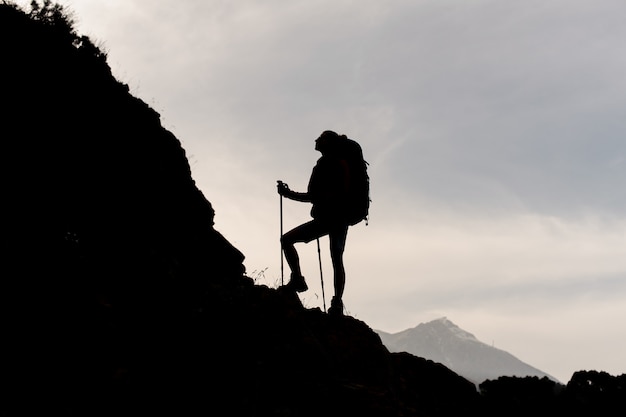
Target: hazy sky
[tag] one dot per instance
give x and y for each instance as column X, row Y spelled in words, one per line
column 494, row 130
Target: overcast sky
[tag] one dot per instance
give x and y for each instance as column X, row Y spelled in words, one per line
column 494, row 130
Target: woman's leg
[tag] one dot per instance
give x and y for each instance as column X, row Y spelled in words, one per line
column 303, row 233
column 337, row 239
column 291, row 255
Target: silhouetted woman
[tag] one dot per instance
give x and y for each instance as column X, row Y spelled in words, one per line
column 327, row 191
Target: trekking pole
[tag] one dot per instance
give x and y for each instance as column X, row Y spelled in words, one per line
column 282, row 268
column 319, row 256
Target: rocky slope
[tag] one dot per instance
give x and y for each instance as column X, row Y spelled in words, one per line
column 119, row 294
column 120, row 297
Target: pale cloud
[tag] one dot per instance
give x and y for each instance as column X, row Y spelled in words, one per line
column 467, row 251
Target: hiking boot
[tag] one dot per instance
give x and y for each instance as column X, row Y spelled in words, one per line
column 296, row 283
column 336, row 307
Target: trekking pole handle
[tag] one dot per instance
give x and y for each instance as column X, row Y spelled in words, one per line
column 282, row 187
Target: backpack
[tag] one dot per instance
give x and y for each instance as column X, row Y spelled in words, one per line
column 358, row 197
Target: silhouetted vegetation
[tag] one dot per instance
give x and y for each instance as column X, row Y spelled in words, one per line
column 587, row 393
column 595, row 393
column 121, row 298
column 520, row 396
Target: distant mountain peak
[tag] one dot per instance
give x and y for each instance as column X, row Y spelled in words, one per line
column 444, row 324
column 442, row 341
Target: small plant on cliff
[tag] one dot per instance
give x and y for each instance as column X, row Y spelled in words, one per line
column 52, row 14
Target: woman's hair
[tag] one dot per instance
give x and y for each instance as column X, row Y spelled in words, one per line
column 329, row 134
column 333, row 141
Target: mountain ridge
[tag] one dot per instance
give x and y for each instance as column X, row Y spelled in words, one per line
column 442, row 341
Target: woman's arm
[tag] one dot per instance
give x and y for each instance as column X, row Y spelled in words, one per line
column 283, row 189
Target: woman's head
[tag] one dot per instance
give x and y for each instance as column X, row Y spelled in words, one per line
column 327, row 142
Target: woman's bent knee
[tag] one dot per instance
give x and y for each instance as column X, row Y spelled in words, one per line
column 286, row 241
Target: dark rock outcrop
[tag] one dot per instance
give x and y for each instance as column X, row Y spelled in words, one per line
column 119, row 295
